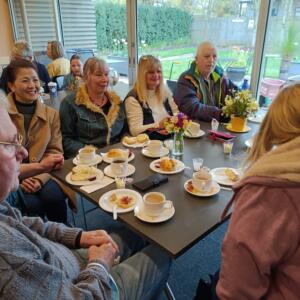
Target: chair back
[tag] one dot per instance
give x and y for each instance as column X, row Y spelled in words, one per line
column 236, row 74
column 60, row 81
column 172, row 84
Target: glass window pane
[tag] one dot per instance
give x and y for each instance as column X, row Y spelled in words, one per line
column 281, row 59
column 172, row 30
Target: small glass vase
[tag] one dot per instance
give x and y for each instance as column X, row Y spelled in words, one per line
column 178, row 145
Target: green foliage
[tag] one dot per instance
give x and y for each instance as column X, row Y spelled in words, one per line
column 289, row 44
column 165, row 24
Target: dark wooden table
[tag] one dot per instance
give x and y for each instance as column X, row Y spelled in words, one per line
column 194, row 217
column 54, row 102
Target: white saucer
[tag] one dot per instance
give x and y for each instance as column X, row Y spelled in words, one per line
column 109, row 160
column 195, row 136
column 257, row 118
column 220, row 177
column 164, row 152
column 180, row 166
column 96, row 161
column 215, row 189
column 108, row 172
column 136, row 145
column 105, row 204
column 99, row 177
column 166, row 214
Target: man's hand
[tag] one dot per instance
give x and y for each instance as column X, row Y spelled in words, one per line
column 31, row 185
column 105, row 253
column 52, row 162
column 97, row 238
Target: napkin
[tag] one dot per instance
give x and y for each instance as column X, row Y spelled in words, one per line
column 99, row 185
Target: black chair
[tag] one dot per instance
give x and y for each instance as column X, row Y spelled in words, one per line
column 172, row 84
column 236, row 74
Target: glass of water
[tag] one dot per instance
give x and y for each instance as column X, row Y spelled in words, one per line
column 197, row 163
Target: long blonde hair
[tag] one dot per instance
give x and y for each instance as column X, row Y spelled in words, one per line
column 280, row 125
column 146, row 64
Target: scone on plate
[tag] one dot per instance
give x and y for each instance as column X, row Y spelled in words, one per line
column 167, row 164
column 122, row 201
column 232, row 175
column 83, row 173
column 130, row 140
column 142, row 138
column 118, row 153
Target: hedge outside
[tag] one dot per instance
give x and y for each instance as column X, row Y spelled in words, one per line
column 155, row 25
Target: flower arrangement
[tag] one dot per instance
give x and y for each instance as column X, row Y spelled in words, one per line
column 241, row 104
column 177, row 124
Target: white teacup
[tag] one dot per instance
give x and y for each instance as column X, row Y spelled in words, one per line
column 155, row 147
column 155, row 203
column 202, row 180
column 87, row 155
column 119, row 167
column 193, row 128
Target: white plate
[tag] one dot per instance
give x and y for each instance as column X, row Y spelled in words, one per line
column 109, row 160
column 179, row 167
column 106, row 205
column 136, row 145
column 214, row 189
column 220, row 177
column 164, row 152
column 99, row 176
column 166, row 214
column 96, row 161
column 108, row 172
column 199, row 134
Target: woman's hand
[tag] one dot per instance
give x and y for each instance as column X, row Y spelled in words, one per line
column 52, row 162
column 31, row 185
column 97, row 238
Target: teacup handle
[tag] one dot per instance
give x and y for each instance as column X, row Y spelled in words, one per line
column 168, row 204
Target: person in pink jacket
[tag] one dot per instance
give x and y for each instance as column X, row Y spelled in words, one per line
column 261, row 250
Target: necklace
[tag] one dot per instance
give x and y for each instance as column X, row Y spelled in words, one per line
column 100, row 102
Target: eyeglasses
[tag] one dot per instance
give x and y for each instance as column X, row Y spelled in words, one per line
column 14, row 146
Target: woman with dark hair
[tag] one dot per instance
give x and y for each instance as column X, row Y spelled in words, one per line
column 59, row 65
column 94, row 115
column 74, row 78
column 39, row 126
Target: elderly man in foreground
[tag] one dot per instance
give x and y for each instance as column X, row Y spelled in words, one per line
column 39, row 260
column 201, row 90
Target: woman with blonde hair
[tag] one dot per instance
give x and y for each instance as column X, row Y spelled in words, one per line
column 60, row 65
column 261, row 250
column 93, row 115
column 150, row 101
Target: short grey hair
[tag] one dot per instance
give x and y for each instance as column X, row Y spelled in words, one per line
column 22, row 48
column 204, row 45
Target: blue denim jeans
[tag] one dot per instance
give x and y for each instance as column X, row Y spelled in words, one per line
column 143, row 270
column 49, row 201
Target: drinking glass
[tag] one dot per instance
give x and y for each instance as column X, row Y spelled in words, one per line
column 197, row 163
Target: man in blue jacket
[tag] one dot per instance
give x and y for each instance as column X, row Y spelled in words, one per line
column 201, row 90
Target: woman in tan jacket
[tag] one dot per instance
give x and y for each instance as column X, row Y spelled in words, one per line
column 39, row 126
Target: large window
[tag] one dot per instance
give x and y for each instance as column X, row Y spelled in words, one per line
column 173, row 29
column 281, row 58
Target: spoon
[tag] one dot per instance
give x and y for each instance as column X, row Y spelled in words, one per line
column 115, row 214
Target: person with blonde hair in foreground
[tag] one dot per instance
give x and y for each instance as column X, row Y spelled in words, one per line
column 150, row 101
column 261, row 250
column 52, row 261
